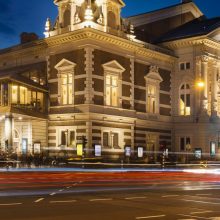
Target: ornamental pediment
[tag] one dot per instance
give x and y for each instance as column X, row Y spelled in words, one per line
column 113, row 66
column 154, row 74
column 65, row 64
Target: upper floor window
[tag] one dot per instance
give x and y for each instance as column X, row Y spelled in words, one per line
column 65, row 82
column 153, row 80
column 151, row 99
column 111, row 90
column 67, row 89
column 113, row 83
column 184, row 100
column 184, row 66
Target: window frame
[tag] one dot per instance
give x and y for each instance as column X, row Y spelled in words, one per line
column 185, row 65
column 68, row 130
column 183, row 140
column 153, row 79
column 185, row 92
column 65, row 67
column 111, row 132
column 113, row 68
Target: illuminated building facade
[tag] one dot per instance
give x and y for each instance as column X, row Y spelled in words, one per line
column 118, row 82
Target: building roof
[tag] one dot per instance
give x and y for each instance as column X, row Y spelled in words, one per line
column 198, row 27
column 166, row 12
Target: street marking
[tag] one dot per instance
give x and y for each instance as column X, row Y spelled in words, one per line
column 188, row 200
column 166, row 196
column 11, row 204
column 94, row 200
column 153, row 216
column 201, row 212
column 52, row 194
column 130, row 198
column 68, row 201
column 61, row 190
column 39, row 200
column 68, row 187
column 192, row 216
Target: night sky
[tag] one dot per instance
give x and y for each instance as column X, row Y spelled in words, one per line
column 17, row 16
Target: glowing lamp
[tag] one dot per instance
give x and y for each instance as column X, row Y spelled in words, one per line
column 200, row 84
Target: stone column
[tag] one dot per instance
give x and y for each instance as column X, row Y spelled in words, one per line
column 9, row 123
column 214, row 102
column 204, row 76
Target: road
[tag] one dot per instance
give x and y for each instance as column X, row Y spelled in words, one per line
column 113, row 195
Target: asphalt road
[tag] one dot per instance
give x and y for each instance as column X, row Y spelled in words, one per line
column 109, row 195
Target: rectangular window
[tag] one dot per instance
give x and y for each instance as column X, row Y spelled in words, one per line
column 72, row 138
column 151, row 99
column 187, row 65
column 23, row 95
column 110, row 139
column 105, row 139
column 115, row 139
column 67, row 89
column 184, row 66
column 14, row 95
column 185, row 143
column 111, row 87
column 63, row 138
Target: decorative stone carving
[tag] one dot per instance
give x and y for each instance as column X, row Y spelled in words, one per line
column 100, row 19
column 204, row 58
column 77, row 19
column 154, row 69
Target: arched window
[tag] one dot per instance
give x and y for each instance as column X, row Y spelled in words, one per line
column 66, row 18
column 184, row 100
column 112, row 20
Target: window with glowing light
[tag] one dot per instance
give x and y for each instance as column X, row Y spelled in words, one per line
column 151, row 99
column 184, row 100
column 67, row 89
column 111, row 85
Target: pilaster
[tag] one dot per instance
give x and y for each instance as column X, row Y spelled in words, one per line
column 132, row 82
column 204, row 76
column 89, row 91
column 214, row 98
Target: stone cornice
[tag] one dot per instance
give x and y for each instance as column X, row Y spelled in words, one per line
column 205, row 40
column 87, row 34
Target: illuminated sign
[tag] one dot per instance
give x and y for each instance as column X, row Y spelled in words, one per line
column 79, row 148
column 140, row 152
column 198, row 153
column 98, row 150
column 212, row 148
column 127, row 151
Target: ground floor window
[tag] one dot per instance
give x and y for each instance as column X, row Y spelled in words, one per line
column 110, row 139
column 67, row 138
column 184, row 143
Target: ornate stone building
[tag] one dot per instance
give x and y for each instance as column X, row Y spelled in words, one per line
column 127, row 85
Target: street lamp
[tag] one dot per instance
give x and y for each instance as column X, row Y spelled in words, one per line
column 200, row 84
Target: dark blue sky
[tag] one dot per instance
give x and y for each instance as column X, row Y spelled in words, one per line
column 17, row 16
